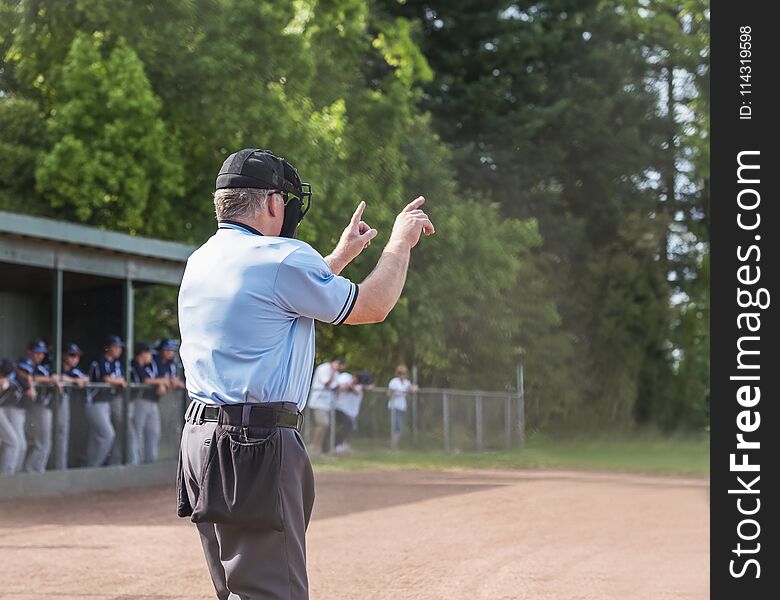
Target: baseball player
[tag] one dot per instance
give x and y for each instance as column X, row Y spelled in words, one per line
column 13, row 444
column 39, row 412
column 104, row 406
column 323, row 393
column 19, row 395
column 145, row 420
column 247, row 306
column 397, row 390
column 72, row 377
column 166, row 365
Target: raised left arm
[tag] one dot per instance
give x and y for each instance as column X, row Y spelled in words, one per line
column 355, row 238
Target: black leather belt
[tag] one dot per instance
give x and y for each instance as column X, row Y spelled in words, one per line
column 267, row 415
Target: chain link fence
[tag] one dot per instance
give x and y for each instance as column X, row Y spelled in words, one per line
column 437, row 419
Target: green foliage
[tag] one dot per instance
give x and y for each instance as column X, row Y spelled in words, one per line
column 111, row 160
column 22, row 139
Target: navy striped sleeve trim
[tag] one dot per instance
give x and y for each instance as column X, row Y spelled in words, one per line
column 349, row 304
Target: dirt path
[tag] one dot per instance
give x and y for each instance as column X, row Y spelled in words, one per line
column 541, row 535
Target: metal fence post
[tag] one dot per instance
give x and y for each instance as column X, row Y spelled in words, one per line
column 332, row 431
column 129, row 310
column 445, row 414
column 392, row 422
column 415, row 412
column 478, row 424
column 414, row 418
column 508, row 422
column 520, row 407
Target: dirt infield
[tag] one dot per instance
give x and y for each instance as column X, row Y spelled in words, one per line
column 541, row 535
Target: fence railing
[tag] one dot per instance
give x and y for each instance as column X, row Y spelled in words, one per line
column 435, row 419
column 70, row 430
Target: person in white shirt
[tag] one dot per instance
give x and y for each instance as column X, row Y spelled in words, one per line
column 397, row 390
column 347, row 405
column 323, row 392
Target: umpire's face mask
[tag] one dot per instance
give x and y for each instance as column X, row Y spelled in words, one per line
column 294, row 211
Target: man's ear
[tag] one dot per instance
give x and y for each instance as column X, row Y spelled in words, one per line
column 272, row 206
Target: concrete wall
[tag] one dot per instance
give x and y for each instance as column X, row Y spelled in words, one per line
column 77, row 481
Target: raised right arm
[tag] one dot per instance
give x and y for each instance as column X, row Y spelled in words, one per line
column 380, row 291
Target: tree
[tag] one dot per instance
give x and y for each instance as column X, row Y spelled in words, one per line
column 112, row 159
column 549, row 107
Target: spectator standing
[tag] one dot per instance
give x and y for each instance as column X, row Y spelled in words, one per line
column 145, row 419
column 39, row 412
column 72, row 376
column 13, row 444
column 397, row 390
column 166, row 364
column 323, row 391
column 100, row 408
column 347, row 405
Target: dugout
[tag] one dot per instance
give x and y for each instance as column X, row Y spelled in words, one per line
column 62, row 281
column 65, row 282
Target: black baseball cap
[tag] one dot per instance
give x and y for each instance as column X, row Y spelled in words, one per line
column 38, row 346
column 113, row 340
column 167, row 344
column 72, row 349
column 257, row 168
column 142, row 347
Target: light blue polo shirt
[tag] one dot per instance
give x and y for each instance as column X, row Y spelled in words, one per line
column 247, row 306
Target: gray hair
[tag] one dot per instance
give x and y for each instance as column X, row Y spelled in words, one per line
column 232, row 203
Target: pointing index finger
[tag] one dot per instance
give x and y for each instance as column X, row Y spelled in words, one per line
column 415, row 204
column 358, row 213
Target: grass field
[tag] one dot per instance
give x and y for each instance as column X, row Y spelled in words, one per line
column 642, row 454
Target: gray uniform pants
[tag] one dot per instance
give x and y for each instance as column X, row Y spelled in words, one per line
column 13, row 444
column 117, row 419
column 247, row 563
column 101, row 433
column 39, row 423
column 62, row 433
column 144, row 431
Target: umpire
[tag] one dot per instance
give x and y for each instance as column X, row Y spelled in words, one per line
column 247, row 306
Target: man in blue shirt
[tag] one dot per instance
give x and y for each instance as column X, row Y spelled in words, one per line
column 104, row 405
column 247, row 306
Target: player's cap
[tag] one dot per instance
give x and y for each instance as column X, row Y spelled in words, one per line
column 71, row 349
column 113, row 340
column 7, row 367
column 167, row 344
column 142, row 347
column 38, row 346
column 365, row 378
column 25, row 366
